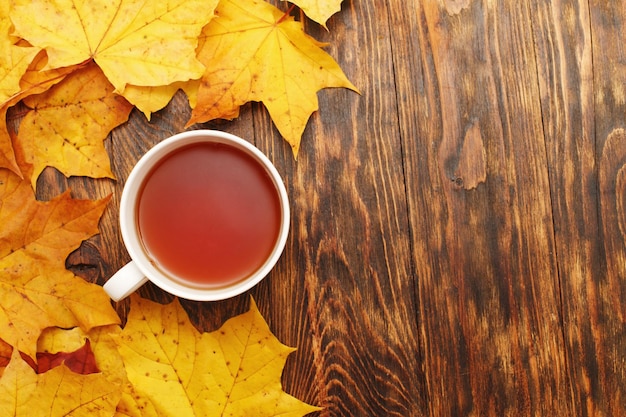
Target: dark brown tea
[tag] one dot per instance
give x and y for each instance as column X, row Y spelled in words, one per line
column 209, row 213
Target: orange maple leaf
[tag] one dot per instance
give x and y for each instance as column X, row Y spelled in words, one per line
column 254, row 52
column 67, row 125
column 35, row 288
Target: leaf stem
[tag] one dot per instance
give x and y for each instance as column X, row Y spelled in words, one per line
column 287, row 13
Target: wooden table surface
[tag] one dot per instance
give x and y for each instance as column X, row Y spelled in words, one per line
column 458, row 230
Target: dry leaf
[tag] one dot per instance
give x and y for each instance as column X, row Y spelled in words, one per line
column 247, row 362
column 37, row 79
column 45, row 232
column 151, row 99
column 14, row 59
column 108, row 360
column 59, row 392
column 133, row 41
column 7, row 156
column 234, row 371
column 318, row 10
column 35, row 288
column 163, row 359
column 133, row 404
column 68, row 124
column 55, row 340
column 5, row 355
column 81, row 361
column 253, row 52
column 34, row 81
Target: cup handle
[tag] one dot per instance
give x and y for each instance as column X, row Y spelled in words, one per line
column 124, row 282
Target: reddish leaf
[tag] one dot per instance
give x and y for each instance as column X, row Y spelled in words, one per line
column 5, row 353
column 82, row 361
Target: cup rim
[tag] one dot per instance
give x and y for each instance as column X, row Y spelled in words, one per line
column 131, row 237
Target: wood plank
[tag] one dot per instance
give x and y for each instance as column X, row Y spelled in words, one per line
column 349, row 286
column 607, row 303
column 480, row 210
column 581, row 90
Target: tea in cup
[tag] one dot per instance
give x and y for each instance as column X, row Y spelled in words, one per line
column 204, row 215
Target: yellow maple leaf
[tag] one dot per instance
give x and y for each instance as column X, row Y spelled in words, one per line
column 68, row 124
column 160, row 350
column 35, row 288
column 56, row 393
column 318, row 10
column 34, row 81
column 14, row 59
column 247, row 364
column 143, row 43
column 37, row 79
column 14, row 62
column 253, row 52
column 233, row 371
column 151, row 99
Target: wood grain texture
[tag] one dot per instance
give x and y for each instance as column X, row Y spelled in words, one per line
column 580, row 89
column 458, row 230
column 480, row 211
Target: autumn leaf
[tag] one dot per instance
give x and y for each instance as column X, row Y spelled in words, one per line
column 35, row 80
column 143, row 43
column 6, row 350
column 7, row 156
column 103, row 341
column 318, row 10
column 162, row 356
column 67, row 125
column 254, row 52
column 55, row 340
column 58, row 392
column 45, row 232
column 81, row 361
column 233, row 371
column 247, row 363
column 151, row 99
column 35, row 288
column 14, row 59
column 59, row 341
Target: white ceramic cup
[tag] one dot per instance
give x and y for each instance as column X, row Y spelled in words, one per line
column 140, row 269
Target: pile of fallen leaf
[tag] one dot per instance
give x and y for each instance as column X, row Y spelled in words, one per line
column 81, row 67
column 158, row 365
column 77, row 68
